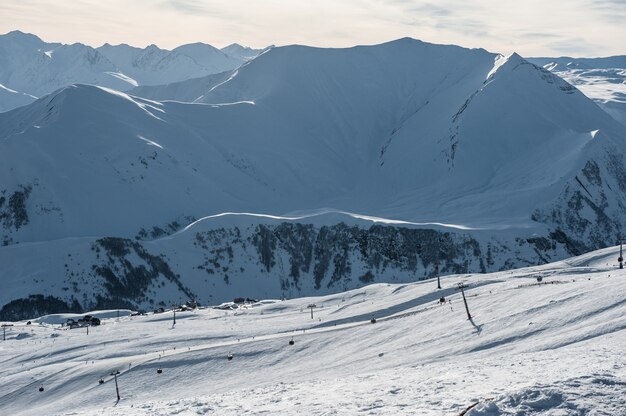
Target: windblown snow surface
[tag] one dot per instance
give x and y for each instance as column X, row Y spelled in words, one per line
column 553, row 347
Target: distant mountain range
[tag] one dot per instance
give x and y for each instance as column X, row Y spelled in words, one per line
column 30, row 67
column 601, row 79
column 391, row 162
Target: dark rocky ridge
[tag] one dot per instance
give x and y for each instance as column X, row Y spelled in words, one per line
column 284, row 259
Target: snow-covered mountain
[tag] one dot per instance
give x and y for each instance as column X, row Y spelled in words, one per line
column 564, row 63
column 187, row 91
column 601, row 79
column 10, row 99
column 154, row 66
column 224, row 256
column 242, row 52
column 497, row 162
column 550, row 347
column 30, row 67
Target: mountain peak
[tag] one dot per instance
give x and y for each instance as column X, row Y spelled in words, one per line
column 241, row 52
column 404, row 41
column 195, row 46
column 19, row 33
column 119, row 45
column 235, row 45
column 81, row 101
column 17, row 36
column 503, row 62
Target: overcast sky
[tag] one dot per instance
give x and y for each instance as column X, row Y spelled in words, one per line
column 529, row 27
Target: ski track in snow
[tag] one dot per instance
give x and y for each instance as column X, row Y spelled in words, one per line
column 552, row 348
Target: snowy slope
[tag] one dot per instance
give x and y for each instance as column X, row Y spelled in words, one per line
column 424, row 133
column 531, row 348
column 428, row 123
column 187, row 91
column 243, row 52
column 32, row 66
column 601, row 79
column 10, row 99
column 134, row 61
column 154, row 66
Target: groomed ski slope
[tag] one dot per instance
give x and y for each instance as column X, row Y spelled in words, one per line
column 553, row 348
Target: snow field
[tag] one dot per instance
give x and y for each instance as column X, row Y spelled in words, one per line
column 553, row 347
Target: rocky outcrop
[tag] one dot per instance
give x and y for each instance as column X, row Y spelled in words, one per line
column 590, row 211
column 13, row 211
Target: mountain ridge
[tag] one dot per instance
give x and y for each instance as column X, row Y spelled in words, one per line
column 33, row 67
column 281, row 102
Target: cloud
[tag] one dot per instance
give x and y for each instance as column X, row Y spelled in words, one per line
column 613, row 5
column 431, row 9
column 572, row 46
column 450, row 16
column 610, row 11
column 538, row 35
column 186, row 6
